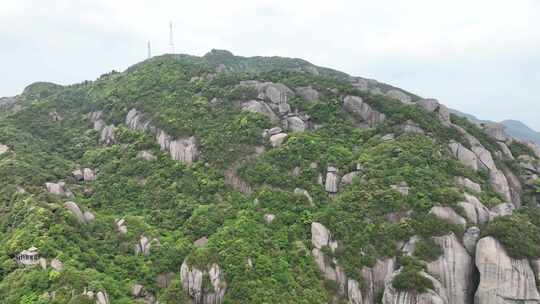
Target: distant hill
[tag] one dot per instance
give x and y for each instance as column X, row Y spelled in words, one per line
column 514, row 128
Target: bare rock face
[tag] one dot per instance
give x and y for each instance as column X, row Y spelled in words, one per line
column 475, row 212
column 308, row 93
column 184, row 150
column 454, row 269
column 3, row 149
column 348, row 178
column 143, row 246
column 278, row 139
column 78, row 175
column 102, row 297
column 321, row 237
column 495, row 130
column 435, row 296
column 192, row 283
column 57, row 265
column 59, row 189
column 121, row 226
column 83, row 218
column 107, row 136
column 448, row 214
column 470, row 238
column 374, row 279
column 269, row 218
column 146, row 155
column 469, row 184
column 303, row 192
column 505, row 150
column 96, row 118
column 402, row 188
column 362, row 111
column 497, row 178
column 410, row 126
column 503, row 209
column 295, row 124
column 331, row 183
column 276, row 92
column 516, row 189
column 260, row 107
column 135, row 120
column 503, row 280
column 89, row 175
column 464, row 155
column 433, row 106
column 399, row 95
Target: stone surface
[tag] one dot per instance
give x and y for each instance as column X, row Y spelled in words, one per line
column 464, row 155
column 269, row 218
column 399, row 95
column 305, row 193
column 146, row 155
column 362, row 111
column 102, row 297
column 470, row 238
column 331, row 182
column 373, row 280
column 78, row 175
column 278, row 139
column 201, row 242
column 495, row 130
column 475, row 212
column 59, row 189
column 503, row 280
column 57, row 265
column 184, row 150
column 308, row 93
column 76, row 211
column 321, row 238
column 121, row 226
column 260, row 107
column 89, row 175
column 192, row 281
column 348, row 178
column 3, row 149
column 448, row 214
column 516, row 189
column 143, row 246
column 503, row 209
column 454, row 270
column 431, row 296
column 295, row 124
column 469, row 184
column 107, row 136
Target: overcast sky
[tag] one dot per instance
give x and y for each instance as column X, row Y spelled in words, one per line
column 478, row 56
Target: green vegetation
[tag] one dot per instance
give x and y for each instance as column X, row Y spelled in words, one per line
column 174, row 204
column 517, row 148
column 519, row 233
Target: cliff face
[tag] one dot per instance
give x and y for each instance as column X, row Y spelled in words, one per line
column 224, row 179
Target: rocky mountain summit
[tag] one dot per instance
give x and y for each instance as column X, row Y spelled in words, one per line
column 226, row 179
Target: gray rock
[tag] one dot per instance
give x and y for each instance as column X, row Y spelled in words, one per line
column 277, row 93
column 348, row 178
column 164, row 279
column 269, row 218
column 331, row 182
column 464, row 155
column 295, row 124
column 184, row 150
column 503, row 280
column 516, row 189
column 57, row 265
column 362, row 111
column 136, row 121
column 76, row 211
column 410, row 126
column 321, row 238
column 469, row 184
column 373, row 280
column 143, row 246
column 78, row 175
column 284, row 108
column 146, row 155
column 89, row 175
column 274, row 131
column 505, row 150
column 260, row 107
column 107, row 135
column 448, row 214
column 3, row 149
column 431, row 296
column 433, row 106
column 137, row 290
column 192, row 283
column 303, row 192
column 89, row 217
column 388, row 137
column 102, row 297
column 470, row 238
column 454, row 270
column 399, row 95
column 495, row 130
column 278, row 139
column 121, row 226
column 475, row 211
column 503, row 209
column 308, row 93
column 59, row 189
column 201, row 242
column 402, row 188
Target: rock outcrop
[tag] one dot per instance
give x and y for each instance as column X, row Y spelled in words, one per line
column 308, row 93
column 399, row 95
column 143, row 246
column 321, row 238
column 448, row 214
column 470, row 238
column 278, row 139
column 192, row 283
column 3, row 149
column 464, row 155
column 83, row 218
column 362, row 111
column 146, row 155
column 332, row 179
column 260, row 107
column 59, row 189
column 108, row 136
column 469, row 184
column 503, row 280
column 433, row 106
column 475, row 212
column 431, row 296
column 454, row 270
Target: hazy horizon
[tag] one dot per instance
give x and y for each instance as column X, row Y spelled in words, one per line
column 481, row 58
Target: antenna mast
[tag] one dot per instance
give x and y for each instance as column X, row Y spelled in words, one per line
column 149, row 50
column 171, row 42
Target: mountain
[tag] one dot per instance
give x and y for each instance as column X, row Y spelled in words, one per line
column 514, row 128
column 228, row 179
